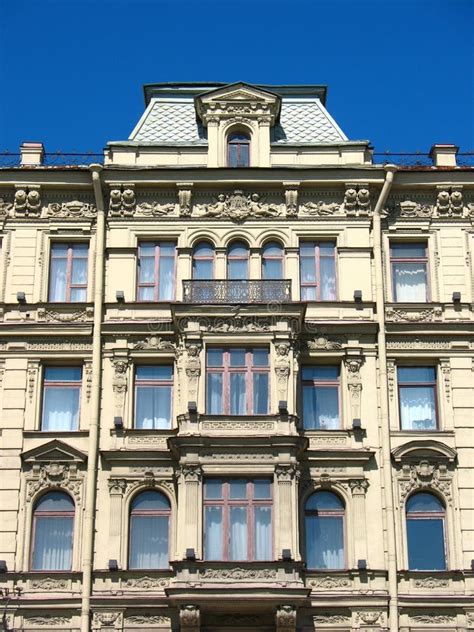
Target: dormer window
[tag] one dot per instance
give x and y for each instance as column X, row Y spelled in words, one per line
column 238, row 150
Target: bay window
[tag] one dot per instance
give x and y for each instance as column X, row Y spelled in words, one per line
column 237, row 381
column 61, row 398
column 318, row 271
column 409, row 263
column 324, row 530
column 238, row 519
column 320, row 385
column 417, row 397
column 68, row 273
column 156, row 271
column 149, row 531
column 153, row 396
column 425, row 516
column 53, row 527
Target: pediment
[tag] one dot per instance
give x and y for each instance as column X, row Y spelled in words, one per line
column 249, row 99
column 54, row 451
column 424, row 449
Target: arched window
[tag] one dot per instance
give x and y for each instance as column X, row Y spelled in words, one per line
column 203, row 261
column 238, row 261
column 324, row 528
column 425, row 533
column 53, row 528
column 238, row 150
column 272, row 261
column 149, row 531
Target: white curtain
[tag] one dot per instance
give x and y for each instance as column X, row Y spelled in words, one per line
column 320, row 407
column 214, row 393
column 149, row 542
column 166, row 280
column 417, row 406
column 57, row 282
column 327, row 275
column 213, row 535
column 324, row 542
column 260, row 393
column 53, row 543
column 238, row 534
column 61, row 408
column 263, row 533
column 238, row 395
column 410, row 283
column 153, row 407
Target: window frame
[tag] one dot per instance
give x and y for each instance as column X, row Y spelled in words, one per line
column 250, row 502
column 427, row 515
column 280, row 258
column 154, row 512
column 329, row 513
column 406, row 385
column 242, row 142
column 155, row 383
column 156, row 271
column 316, row 258
column 226, row 370
column 55, row 384
column 51, row 514
column 395, row 260
column 336, row 383
column 69, row 264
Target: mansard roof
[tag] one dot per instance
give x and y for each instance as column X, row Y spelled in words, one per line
column 170, row 116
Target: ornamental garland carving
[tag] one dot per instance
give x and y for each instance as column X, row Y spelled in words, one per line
column 75, row 209
column 54, row 476
column 100, row 619
column 413, row 209
column 238, row 573
column 369, row 616
column 239, row 206
column 155, row 343
column 328, row 617
column 238, row 324
column 433, row 618
column 430, row 583
column 147, row 619
column 424, row 475
column 49, row 584
column 417, row 315
column 238, row 425
column 329, row 582
column 147, row 583
column 445, row 368
column 54, row 316
column 46, row 620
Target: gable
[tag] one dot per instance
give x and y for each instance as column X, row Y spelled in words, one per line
column 54, row 451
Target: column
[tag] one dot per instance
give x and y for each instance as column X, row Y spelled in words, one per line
column 264, row 141
column 117, row 487
column 190, row 487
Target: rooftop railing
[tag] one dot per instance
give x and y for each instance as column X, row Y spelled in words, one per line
column 266, row 291
column 419, row 159
column 54, row 159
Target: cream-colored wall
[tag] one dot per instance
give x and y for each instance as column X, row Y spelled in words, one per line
column 38, row 333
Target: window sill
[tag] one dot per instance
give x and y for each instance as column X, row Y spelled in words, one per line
column 35, row 434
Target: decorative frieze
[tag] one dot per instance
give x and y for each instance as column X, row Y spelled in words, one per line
column 75, row 209
column 331, row 619
column 155, row 209
column 399, row 314
column 147, row 619
column 238, row 574
column 433, row 619
column 66, row 316
column 147, row 583
column 46, row 620
column 239, row 206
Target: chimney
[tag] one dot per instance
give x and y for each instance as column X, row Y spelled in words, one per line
column 444, row 155
column 32, row 154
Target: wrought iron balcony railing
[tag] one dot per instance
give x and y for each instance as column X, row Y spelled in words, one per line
column 266, row 291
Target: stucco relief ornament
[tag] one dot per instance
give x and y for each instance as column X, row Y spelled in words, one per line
column 184, row 201
column 72, row 209
column 51, row 476
column 238, row 207
column 6, row 208
column 122, row 202
column 155, row 209
column 155, row 343
column 322, row 343
column 106, row 619
column 413, row 209
column 369, row 616
column 27, row 202
column 291, row 200
column 282, row 370
column 354, row 384
column 119, row 384
column 449, row 204
column 320, row 208
column 425, row 475
column 193, row 370
column 356, row 201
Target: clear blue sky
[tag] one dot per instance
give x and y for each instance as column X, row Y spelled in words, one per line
column 399, row 72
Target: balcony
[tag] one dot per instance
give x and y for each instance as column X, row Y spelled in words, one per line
column 236, row 291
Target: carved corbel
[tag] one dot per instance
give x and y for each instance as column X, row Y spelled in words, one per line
column 449, row 202
column 184, row 198
column 291, row 198
column 357, row 199
column 122, row 200
column 285, row 618
column 27, row 200
column 190, row 618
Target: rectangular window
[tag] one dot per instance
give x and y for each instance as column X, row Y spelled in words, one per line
column 68, row 273
column 61, row 397
column 156, row 271
column 417, row 398
column 238, row 520
column 318, row 271
column 153, row 397
column 237, row 381
column 320, row 397
column 409, row 262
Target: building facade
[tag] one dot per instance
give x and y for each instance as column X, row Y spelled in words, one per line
column 236, row 366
